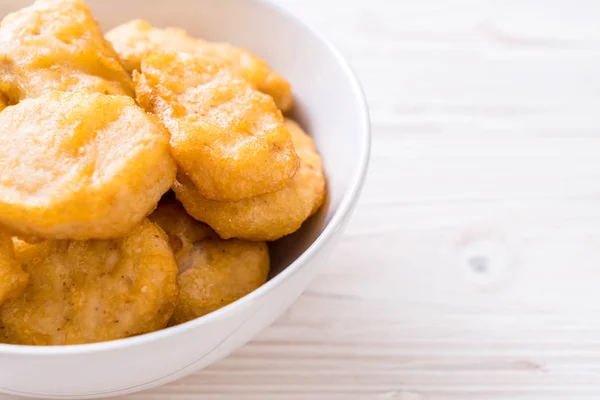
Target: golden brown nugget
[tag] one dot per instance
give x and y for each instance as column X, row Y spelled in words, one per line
column 212, row 272
column 12, row 278
column 216, row 273
column 183, row 231
column 229, row 139
column 270, row 216
column 57, row 44
column 137, row 39
column 92, row 291
column 78, row 165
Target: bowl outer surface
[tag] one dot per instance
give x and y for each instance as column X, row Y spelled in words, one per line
column 140, row 366
column 330, row 106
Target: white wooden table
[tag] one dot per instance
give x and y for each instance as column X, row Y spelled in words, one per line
column 471, row 269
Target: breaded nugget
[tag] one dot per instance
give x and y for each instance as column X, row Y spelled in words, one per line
column 229, row 139
column 12, row 278
column 212, row 272
column 216, row 273
column 92, row 291
column 57, row 44
column 270, row 216
column 183, row 231
column 135, row 40
column 79, row 165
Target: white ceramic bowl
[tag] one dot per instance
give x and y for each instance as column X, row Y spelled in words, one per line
column 330, row 105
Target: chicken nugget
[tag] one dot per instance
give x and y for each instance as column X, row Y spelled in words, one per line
column 79, row 165
column 92, row 291
column 57, row 44
column 216, row 273
column 183, row 231
column 229, row 139
column 267, row 217
column 12, row 278
column 212, row 272
column 136, row 39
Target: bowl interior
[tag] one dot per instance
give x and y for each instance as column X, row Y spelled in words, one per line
column 328, row 104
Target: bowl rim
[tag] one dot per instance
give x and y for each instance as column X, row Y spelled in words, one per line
column 347, row 205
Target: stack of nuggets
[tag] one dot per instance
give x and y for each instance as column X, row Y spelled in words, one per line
column 137, row 39
column 93, row 246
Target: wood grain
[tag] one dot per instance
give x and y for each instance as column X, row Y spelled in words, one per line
column 471, row 267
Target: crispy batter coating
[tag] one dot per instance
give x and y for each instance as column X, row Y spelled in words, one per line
column 212, row 272
column 229, row 139
column 92, row 291
column 270, row 216
column 137, row 39
column 79, row 165
column 57, row 45
column 12, row 278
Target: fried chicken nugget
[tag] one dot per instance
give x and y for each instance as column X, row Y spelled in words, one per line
column 12, row 278
column 183, row 231
column 57, row 44
column 270, row 216
column 79, row 165
column 137, row 39
column 212, row 272
column 92, row 291
column 228, row 138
